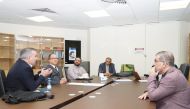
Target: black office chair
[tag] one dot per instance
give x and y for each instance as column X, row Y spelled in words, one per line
column 185, row 70
column 66, row 75
column 2, row 82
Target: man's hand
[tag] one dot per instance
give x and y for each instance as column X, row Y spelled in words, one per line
column 63, row 80
column 46, row 72
column 144, row 96
column 153, row 72
column 107, row 74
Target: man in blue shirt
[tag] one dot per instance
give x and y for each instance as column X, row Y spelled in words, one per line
column 108, row 68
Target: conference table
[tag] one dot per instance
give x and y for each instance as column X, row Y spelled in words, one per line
column 118, row 95
column 106, row 95
column 64, row 94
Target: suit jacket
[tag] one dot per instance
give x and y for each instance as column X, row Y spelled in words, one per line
column 56, row 75
column 21, row 77
column 102, row 68
column 171, row 92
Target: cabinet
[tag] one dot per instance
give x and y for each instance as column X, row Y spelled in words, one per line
column 44, row 46
column 10, row 46
column 7, row 51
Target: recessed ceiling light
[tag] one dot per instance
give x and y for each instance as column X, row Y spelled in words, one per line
column 40, row 19
column 5, row 40
column 174, row 5
column 97, row 13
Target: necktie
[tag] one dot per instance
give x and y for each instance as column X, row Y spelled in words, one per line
column 56, row 68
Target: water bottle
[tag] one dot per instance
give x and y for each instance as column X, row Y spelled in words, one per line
column 49, row 87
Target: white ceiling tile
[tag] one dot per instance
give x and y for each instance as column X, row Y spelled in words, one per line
column 69, row 13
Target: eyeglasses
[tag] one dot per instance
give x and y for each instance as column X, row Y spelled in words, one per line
column 53, row 58
column 157, row 61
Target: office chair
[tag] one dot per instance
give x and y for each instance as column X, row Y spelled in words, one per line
column 86, row 66
column 185, row 70
column 66, row 75
column 2, row 82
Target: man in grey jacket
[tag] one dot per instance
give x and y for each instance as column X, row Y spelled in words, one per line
column 57, row 72
column 172, row 90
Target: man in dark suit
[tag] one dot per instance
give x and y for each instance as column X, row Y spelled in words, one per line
column 172, row 90
column 21, row 76
column 108, row 68
column 57, row 72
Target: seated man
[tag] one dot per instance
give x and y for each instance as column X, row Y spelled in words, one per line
column 21, row 76
column 108, row 68
column 57, row 72
column 76, row 71
column 171, row 91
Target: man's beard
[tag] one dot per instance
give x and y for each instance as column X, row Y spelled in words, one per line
column 77, row 64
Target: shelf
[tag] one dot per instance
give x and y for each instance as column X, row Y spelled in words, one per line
column 10, row 47
column 5, row 58
column 7, row 46
column 7, row 50
column 44, row 46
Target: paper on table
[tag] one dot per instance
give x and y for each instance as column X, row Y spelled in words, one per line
column 86, row 84
column 85, row 75
column 122, row 80
column 143, row 80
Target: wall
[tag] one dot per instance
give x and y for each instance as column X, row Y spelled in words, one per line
column 162, row 36
column 184, row 42
column 119, row 43
column 68, row 34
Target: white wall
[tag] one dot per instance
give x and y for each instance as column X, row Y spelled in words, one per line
column 68, row 34
column 162, row 36
column 184, row 42
column 119, row 43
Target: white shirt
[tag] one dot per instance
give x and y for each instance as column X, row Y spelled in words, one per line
column 75, row 72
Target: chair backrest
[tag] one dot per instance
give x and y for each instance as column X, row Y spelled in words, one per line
column 86, row 66
column 185, row 70
column 66, row 70
column 2, row 82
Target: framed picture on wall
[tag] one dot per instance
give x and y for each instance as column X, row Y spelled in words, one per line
column 72, row 53
column 72, row 50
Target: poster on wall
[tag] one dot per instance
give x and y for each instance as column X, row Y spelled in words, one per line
column 72, row 53
column 72, row 50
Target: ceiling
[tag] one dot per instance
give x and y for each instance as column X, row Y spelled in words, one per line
column 69, row 13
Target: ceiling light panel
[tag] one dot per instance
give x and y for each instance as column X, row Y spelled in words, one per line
column 40, row 19
column 97, row 13
column 174, row 5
